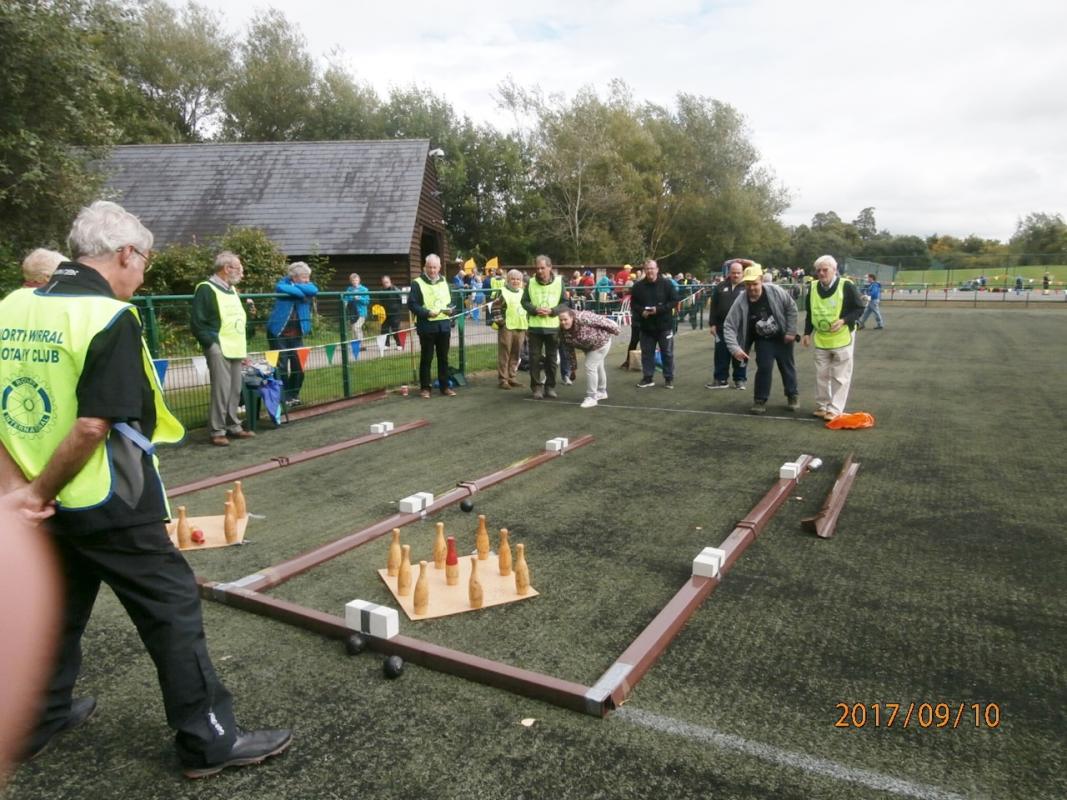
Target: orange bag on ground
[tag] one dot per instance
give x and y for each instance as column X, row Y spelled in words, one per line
column 857, row 419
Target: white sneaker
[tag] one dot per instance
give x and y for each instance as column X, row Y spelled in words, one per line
column 601, row 395
column 567, row 380
column 589, row 402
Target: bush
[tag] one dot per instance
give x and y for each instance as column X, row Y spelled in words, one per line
column 177, row 269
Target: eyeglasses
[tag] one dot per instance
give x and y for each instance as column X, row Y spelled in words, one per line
column 146, row 258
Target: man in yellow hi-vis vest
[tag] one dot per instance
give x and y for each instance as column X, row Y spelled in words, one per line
column 430, row 301
column 543, row 300
column 833, row 307
column 81, row 410
column 218, row 323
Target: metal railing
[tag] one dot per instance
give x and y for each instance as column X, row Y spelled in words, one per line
column 338, row 359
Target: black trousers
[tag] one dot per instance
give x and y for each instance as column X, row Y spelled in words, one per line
column 434, row 344
column 768, row 353
column 543, row 344
column 290, row 372
column 390, row 325
column 157, row 588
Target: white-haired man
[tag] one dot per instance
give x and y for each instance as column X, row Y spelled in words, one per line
column 83, row 409
column 833, row 308
column 431, row 303
column 218, row 321
column 38, row 266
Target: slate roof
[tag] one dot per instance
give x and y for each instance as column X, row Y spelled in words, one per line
column 332, row 198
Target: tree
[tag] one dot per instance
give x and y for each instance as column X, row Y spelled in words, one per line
column 865, row 225
column 343, row 109
column 181, row 63
column 53, row 122
column 724, row 203
column 1040, row 239
column 590, row 161
column 271, row 95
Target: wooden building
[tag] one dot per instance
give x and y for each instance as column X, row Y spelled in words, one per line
column 372, row 207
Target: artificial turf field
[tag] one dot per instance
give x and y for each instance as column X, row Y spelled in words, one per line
column 945, row 583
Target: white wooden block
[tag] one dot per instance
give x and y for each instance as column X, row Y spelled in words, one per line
column 411, row 504
column 425, row 497
column 388, row 425
column 709, row 562
column 563, row 442
column 554, row 445
column 377, row 427
column 367, row 617
column 790, row 470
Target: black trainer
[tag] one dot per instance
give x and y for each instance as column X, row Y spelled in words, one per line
column 81, row 709
column 250, row 747
column 646, row 383
column 792, row 402
column 717, row 385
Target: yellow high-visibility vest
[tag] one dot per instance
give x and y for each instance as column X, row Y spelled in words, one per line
column 232, row 319
column 824, row 310
column 545, row 296
column 46, row 339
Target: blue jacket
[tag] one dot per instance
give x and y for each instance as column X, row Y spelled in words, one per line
column 296, row 295
column 358, row 300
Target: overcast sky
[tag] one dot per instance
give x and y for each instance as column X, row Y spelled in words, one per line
column 947, row 117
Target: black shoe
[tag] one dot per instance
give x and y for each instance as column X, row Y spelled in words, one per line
column 81, row 709
column 668, row 385
column 792, row 402
column 717, row 385
column 646, row 383
column 739, row 385
column 250, row 747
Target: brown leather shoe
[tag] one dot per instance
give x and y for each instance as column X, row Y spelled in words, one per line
column 504, row 385
column 449, row 393
column 243, row 435
column 220, row 441
column 514, row 384
column 424, row 394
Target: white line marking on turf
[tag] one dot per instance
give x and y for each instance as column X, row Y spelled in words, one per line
column 786, row 758
column 602, row 404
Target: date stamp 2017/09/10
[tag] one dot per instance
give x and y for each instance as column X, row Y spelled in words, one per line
column 918, row 715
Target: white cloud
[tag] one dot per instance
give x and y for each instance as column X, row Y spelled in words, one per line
column 944, row 116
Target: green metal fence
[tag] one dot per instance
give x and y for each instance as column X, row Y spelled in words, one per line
column 336, row 360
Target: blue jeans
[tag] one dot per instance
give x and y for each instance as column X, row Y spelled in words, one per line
column 872, row 308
